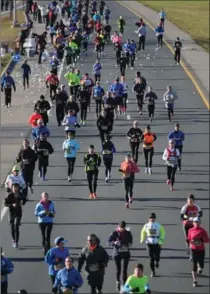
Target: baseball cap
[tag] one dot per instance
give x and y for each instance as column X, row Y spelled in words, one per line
column 15, row 168
column 196, row 219
column 153, row 215
column 58, row 240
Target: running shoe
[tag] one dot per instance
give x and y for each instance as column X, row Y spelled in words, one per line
column 171, row 188
column 130, row 199
column 118, row 286
column 94, row 195
column 127, row 205
column 91, row 196
column 195, row 283
column 168, row 182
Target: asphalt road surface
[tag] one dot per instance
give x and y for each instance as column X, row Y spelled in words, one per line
column 77, row 216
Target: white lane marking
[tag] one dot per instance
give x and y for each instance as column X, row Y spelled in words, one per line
column 3, row 212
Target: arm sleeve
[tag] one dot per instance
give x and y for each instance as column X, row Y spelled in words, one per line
column 81, row 260
column 143, row 234
column 164, row 157
column 162, row 234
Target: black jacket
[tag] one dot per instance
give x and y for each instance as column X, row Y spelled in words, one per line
column 13, row 199
column 98, row 258
column 125, row 241
column 27, row 158
column 72, row 106
column 103, row 124
column 41, row 147
column 60, row 99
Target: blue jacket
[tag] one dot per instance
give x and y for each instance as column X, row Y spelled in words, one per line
column 7, row 82
column 72, row 146
column 117, row 88
column 36, row 132
column 26, row 70
column 7, row 267
column 96, row 17
column 132, row 48
column 159, row 30
column 97, row 68
column 178, row 136
column 68, row 279
column 40, row 212
column 126, row 47
column 51, row 257
column 98, row 91
column 70, row 122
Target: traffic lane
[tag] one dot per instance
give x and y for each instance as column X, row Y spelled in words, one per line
column 114, row 189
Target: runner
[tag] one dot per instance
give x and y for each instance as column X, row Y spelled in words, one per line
column 123, row 60
column 14, row 201
column 55, row 257
column 45, row 211
column 188, row 212
column 7, row 268
column 43, row 106
column 27, row 158
column 34, row 118
column 96, row 259
column 117, row 90
column 137, row 283
column 162, row 16
column 142, row 32
column 83, row 98
column 43, row 149
column 92, row 162
column 60, row 100
column 104, row 125
column 159, row 30
column 128, row 169
column 154, row 233
column 70, row 123
column 197, row 237
column 177, row 51
column 139, row 88
column 98, row 93
column 73, row 81
column 97, row 67
column 108, row 149
column 134, row 135
column 41, row 129
column 171, row 156
column 150, row 98
column 7, row 83
column 125, row 95
column 121, row 240
column 121, row 24
column 70, row 148
column 148, row 139
column 15, row 178
column 178, row 136
column 52, row 82
column 68, row 279
column 25, row 74
column 169, row 97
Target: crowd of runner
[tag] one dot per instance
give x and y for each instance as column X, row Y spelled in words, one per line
column 71, row 28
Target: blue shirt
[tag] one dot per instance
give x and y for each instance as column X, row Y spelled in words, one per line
column 98, row 91
column 178, row 136
column 71, row 147
column 51, row 257
column 68, row 279
column 70, row 122
column 159, row 30
column 97, row 68
column 26, row 69
column 7, row 267
column 40, row 212
column 38, row 131
column 132, row 48
column 7, row 82
column 117, row 88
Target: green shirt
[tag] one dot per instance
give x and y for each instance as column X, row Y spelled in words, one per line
column 135, row 282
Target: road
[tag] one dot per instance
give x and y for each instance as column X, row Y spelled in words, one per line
column 77, row 216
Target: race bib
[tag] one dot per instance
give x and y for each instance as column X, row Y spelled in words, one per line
column 94, row 267
column 134, row 140
column 123, row 248
column 104, row 128
column 42, row 111
column 107, row 152
column 67, row 291
column 196, row 242
column 98, row 98
column 152, row 232
column 127, row 175
column 46, row 153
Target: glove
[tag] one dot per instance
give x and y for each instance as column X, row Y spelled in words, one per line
column 8, row 190
column 135, row 289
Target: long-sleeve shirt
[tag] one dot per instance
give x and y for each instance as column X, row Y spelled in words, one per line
column 178, row 136
column 55, row 258
column 12, row 179
column 7, row 267
column 26, row 70
column 150, row 98
column 142, row 31
column 45, row 212
column 97, row 68
column 153, row 232
column 72, row 78
column 8, row 82
column 197, row 237
column 70, row 147
column 117, row 89
column 27, row 158
column 70, row 122
column 92, row 162
column 128, row 169
column 136, row 285
column 38, row 131
column 169, row 97
column 33, row 119
column 68, row 279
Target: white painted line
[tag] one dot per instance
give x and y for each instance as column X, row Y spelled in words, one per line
column 3, row 212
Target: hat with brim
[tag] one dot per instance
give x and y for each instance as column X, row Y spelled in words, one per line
column 59, row 240
column 15, row 168
column 196, row 220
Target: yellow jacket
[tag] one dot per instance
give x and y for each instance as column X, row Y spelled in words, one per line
column 153, row 233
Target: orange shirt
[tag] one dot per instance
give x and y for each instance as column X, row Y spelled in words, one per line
column 34, row 118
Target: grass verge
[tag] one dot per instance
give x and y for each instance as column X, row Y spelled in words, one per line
column 9, row 34
column 190, row 16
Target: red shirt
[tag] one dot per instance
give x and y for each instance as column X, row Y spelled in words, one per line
column 190, row 211
column 197, row 237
